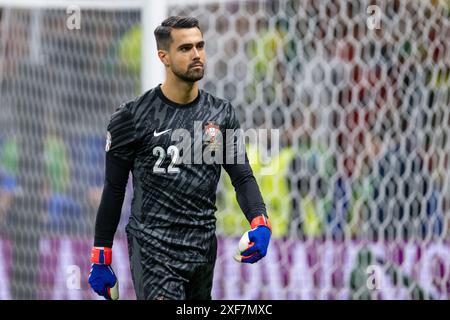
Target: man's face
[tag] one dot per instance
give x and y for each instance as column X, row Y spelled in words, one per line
column 186, row 54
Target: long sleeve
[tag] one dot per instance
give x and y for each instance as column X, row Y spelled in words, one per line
column 247, row 191
column 120, row 152
column 110, row 208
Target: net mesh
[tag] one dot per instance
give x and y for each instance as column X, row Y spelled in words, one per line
column 359, row 194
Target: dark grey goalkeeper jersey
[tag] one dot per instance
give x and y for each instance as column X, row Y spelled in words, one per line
column 174, row 175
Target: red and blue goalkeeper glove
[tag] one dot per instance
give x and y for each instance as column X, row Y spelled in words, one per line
column 253, row 244
column 102, row 278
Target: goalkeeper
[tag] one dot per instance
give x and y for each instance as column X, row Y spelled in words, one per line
column 171, row 230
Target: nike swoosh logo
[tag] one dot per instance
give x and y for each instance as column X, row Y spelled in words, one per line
column 156, row 134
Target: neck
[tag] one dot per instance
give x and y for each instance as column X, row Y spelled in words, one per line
column 180, row 91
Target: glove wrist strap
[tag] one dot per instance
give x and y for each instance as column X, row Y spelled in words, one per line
column 261, row 220
column 101, row 255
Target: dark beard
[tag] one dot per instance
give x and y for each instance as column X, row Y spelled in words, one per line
column 191, row 75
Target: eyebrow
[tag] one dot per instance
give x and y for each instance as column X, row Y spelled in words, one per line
column 188, row 45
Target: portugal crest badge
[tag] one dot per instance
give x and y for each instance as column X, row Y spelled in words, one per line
column 212, row 130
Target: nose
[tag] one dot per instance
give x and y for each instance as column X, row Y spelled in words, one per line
column 196, row 53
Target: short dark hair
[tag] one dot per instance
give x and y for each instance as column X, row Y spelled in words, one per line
column 162, row 32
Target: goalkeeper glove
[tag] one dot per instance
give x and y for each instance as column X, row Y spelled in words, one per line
column 253, row 244
column 102, row 278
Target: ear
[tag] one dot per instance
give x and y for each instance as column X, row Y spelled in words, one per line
column 164, row 57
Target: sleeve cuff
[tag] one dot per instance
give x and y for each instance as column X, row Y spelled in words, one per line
column 101, row 255
column 261, row 220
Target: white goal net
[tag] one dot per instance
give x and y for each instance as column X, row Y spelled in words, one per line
column 359, row 90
